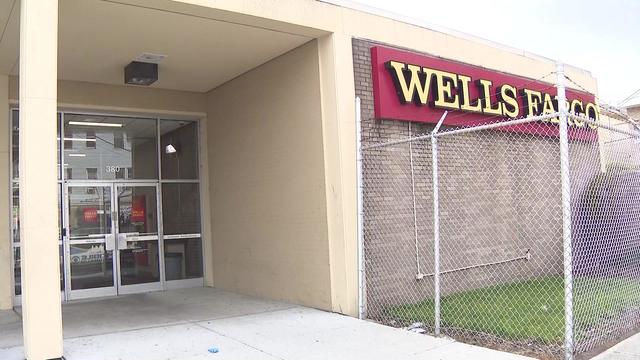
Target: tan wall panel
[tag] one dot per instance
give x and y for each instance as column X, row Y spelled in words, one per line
column 339, row 148
column 6, row 293
column 269, row 217
column 123, row 98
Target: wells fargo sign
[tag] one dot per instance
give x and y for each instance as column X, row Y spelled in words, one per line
column 413, row 87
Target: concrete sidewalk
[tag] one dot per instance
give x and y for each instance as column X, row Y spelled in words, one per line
column 628, row 349
column 185, row 324
column 292, row 334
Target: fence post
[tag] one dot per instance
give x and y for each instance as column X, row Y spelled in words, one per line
column 436, row 225
column 566, row 216
column 361, row 294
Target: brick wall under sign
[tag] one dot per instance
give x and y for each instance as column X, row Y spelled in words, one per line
column 517, row 209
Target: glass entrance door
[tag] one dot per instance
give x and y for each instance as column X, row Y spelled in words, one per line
column 90, row 241
column 137, row 237
column 112, row 242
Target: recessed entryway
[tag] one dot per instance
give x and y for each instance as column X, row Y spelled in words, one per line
column 129, row 202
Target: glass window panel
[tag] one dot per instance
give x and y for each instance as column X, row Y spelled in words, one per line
column 180, row 208
column 89, row 210
column 58, row 142
column 91, row 266
column 17, row 277
column 137, row 210
column 92, row 173
column 179, row 149
column 110, row 144
column 139, row 263
column 15, row 211
column 17, row 267
column 61, row 253
column 183, row 258
column 15, row 143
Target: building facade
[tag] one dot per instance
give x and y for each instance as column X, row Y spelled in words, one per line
column 236, row 169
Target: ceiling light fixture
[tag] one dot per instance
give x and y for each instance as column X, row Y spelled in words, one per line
column 140, row 73
column 89, row 123
column 150, row 58
column 80, row 139
column 77, row 155
column 170, row 149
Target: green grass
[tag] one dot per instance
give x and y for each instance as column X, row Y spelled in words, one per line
column 526, row 310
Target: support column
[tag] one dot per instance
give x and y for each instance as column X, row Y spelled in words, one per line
column 339, row 136
column 6, row 249
column 41, row 303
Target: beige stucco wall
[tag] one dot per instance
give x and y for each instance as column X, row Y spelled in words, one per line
column 84, row 95
column 269, row 216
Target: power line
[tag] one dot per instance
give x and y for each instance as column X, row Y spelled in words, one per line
column 634, row 94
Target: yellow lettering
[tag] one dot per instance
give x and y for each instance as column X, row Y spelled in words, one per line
column 485, row 90
column 592, row 112
column 510, row 105
column 577, row 109
column 463, row 87
column 445, row 82
column 548, row 108
column 407, row 93
column 532, row 101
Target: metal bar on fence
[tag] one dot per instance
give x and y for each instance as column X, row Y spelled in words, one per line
column 526, row 256
column 499, row 124
column 599, row 124
column 361, row 295
column 464, row 130
column 566, row 216
column 436, row 225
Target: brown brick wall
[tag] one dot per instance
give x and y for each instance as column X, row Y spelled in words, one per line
column 499, row 196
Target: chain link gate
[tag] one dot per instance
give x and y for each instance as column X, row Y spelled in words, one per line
column 464, row 232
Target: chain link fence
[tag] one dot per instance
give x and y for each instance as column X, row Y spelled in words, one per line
column 484, row 262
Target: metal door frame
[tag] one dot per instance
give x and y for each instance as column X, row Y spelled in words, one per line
column 145, row 287
column 94, row 292
column 117, row 288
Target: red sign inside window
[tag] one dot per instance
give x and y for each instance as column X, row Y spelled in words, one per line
column 138, row 209
column 90, row 215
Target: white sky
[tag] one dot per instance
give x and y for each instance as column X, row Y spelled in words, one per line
column 602, row 36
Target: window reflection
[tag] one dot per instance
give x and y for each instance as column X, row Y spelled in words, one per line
column 183, row 258
column 179, row 149
column 89, row 210
column 137, row 210
column 106, row 147
column 180, row 208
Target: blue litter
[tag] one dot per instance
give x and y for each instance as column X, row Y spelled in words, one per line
column 213, row 350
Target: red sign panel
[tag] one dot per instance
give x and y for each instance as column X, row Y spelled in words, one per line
column 414, row 87
column 90, row 215
column 138, row 209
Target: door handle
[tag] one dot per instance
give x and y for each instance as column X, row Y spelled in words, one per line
column 122, row 241
column 110, row 242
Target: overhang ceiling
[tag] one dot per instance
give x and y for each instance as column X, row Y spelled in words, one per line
column 98, row 38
